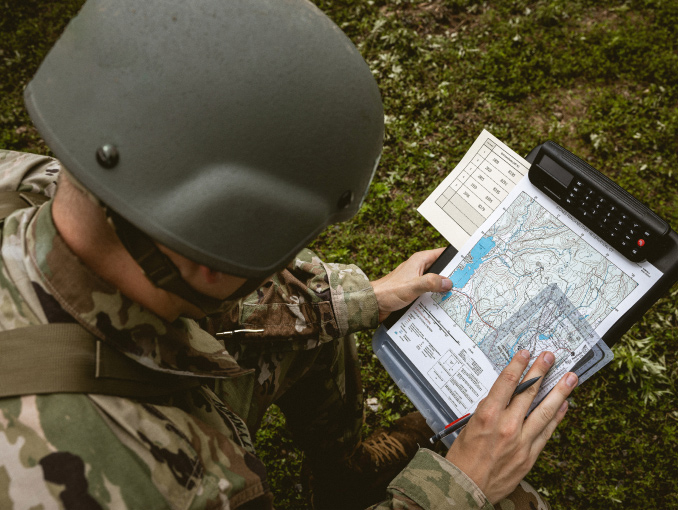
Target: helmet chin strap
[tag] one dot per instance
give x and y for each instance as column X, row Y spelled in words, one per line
column 163, row 273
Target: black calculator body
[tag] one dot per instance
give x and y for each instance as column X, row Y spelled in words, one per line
column 600, row 204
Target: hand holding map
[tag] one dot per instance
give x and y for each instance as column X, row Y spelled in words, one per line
column 502, row 433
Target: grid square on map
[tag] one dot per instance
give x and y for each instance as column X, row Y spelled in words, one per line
column 549, row 321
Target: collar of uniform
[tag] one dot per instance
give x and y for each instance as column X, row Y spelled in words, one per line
column 178, row 347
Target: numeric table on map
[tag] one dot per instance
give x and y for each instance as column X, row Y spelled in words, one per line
column 480, row 187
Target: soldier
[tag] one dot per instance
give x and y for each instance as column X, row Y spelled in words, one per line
column 162, row 298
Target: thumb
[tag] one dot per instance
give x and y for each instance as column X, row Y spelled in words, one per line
column 433, row 283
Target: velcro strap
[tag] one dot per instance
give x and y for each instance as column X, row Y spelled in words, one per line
column 157, row 266
column 66, row 358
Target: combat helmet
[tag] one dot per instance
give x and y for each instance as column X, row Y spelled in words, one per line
column 231, row 132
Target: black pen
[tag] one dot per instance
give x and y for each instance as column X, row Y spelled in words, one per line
column 460, row 422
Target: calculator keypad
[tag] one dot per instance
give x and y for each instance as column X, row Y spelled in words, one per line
column 609, row 221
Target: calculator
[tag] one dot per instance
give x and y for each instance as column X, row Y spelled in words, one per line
column 600, row 204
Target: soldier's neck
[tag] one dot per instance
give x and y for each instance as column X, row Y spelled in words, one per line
column 93, row 241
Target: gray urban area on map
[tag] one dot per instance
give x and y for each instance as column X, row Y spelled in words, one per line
column 548, row 321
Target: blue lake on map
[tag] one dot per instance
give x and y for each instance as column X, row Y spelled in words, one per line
column 461, row 276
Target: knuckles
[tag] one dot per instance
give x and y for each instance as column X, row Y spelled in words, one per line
column 484, row 417
column 545, row 414
column 533, row 390
column 510, row 377
column 526, row 457
column 432, row 281
column 508, row 430
column 546, row 434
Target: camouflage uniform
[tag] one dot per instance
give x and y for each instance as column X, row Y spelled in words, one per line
column 192, row 449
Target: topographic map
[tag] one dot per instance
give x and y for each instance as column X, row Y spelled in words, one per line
column 525, row 251
column 548, row 321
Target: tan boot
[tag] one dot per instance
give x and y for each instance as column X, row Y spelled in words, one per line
column 362, row 480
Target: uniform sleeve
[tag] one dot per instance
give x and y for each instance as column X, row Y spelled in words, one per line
column 430, row 482
column 308, row 303
column 524, row 497
column 21, row 171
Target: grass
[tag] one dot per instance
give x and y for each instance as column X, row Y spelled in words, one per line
column 600, row 78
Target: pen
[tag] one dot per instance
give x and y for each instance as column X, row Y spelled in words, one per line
column 460, row 422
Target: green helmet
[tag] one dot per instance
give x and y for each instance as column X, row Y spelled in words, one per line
column 230, row 131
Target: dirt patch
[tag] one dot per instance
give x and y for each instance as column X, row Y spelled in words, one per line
column 611, row 19
column 557, row 115
column 436, row 18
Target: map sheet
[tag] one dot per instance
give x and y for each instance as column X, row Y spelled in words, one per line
column 474, row 189
column 526, row 246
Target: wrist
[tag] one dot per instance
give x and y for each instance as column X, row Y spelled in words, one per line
column 377, row 288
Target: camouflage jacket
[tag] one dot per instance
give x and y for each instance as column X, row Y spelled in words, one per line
column 112, row 452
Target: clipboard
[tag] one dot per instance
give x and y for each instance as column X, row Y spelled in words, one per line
column 661, row 251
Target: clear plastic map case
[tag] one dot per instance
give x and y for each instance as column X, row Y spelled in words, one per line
column 546, row 303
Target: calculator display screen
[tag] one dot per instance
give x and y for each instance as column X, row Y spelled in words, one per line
column 555, row 170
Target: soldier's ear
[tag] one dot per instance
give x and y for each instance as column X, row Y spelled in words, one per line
column 209, row 275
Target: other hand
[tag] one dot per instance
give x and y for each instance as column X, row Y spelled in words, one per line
column 407, row 282
column 499, row 446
